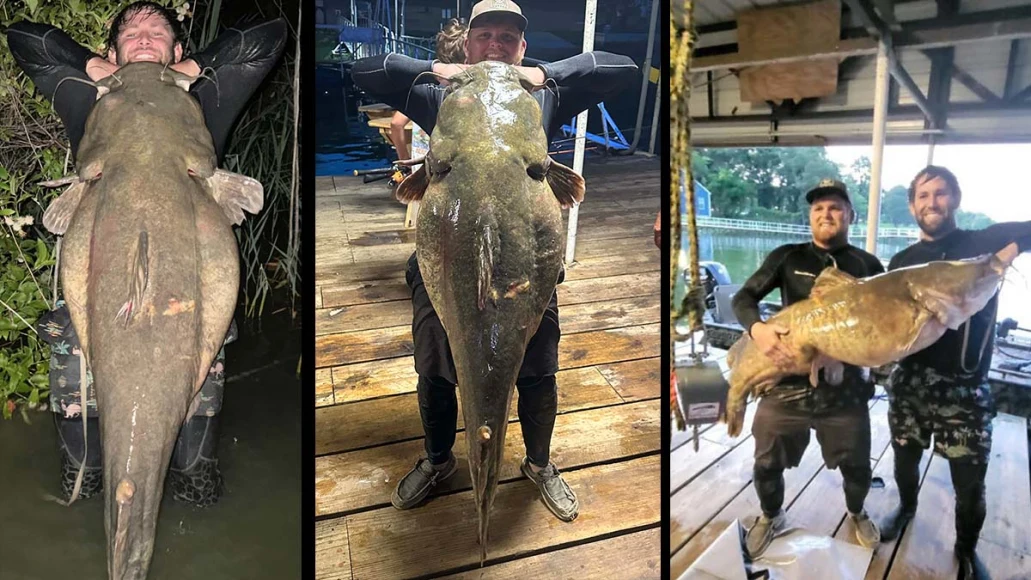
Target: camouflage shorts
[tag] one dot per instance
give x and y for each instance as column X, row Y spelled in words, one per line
column 55, row 327
column 958, row 414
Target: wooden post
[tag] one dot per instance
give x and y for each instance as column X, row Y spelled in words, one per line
column 880, row 110
column 581, row 133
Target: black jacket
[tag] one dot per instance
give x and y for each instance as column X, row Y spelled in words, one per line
column 948, row 356
column 793, row 269
column 583, row 81
column 238, row 59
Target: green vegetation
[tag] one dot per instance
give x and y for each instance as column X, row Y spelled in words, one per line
column 769, row 184
column 33, row 148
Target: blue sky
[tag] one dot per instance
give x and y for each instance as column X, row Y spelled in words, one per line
column 994, row 178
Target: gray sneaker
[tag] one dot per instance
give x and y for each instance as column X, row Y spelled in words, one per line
column 416, row 486
column 557, row 495
column 762, row 532
column 866, row 531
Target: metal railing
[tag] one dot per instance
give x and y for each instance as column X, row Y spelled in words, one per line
column 798, row 229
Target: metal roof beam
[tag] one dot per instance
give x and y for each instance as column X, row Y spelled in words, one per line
column 864, row 10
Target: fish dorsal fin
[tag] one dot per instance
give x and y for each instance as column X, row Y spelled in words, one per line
column 59, row 213
column 566, row 184
column 830, row 279
column 235, row 193
column 413, row 187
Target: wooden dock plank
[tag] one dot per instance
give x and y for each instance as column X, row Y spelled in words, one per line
column 388, row 543
column 366, row 478
column 332, row 553
column 1009, row 510
column 635, row 555
column 385, row 420
column 744, row 506
column 925, row 551
column 635, row 380
column 574, row 350
column 323, row 388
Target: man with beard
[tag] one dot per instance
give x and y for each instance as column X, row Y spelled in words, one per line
column 496, row 33
column 839, row 414
column 943, row 389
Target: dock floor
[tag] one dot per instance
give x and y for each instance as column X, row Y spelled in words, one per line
column 607, row 434
column 712, row 487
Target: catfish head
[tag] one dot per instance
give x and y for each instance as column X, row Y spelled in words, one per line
column 489, row 133
column 956, row 290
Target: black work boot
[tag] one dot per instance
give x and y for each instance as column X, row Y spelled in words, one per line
column 892, row 525
column 72, row 445
column 194, row 474
column 970, row 566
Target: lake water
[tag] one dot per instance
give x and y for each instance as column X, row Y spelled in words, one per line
column 743, row 253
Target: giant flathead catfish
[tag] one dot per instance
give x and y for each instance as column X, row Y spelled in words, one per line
column 866, row 322
column 150, row 270
column 489, row 243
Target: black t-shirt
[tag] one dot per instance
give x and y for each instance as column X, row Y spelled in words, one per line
column 793, row 269
column 948, row 355
column 238, row 60
column 575, row 84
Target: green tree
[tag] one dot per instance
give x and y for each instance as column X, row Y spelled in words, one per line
column 895, row 207
column 973, row 220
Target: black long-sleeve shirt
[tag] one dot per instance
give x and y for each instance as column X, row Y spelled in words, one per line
column 793, row 269
column 582, row 81
column 239, row 60
column 948, row 355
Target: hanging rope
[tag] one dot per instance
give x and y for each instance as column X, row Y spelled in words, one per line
column 680, row 165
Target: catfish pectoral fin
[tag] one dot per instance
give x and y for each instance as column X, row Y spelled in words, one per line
column 413, row 187
column 59, row 214
column 566, row 184
column 236, row 193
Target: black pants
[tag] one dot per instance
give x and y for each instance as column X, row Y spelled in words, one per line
column 538, row 403
column 781, row 433
column 967, row 480
column 438, row 402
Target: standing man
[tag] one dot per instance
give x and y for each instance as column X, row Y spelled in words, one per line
column 238, row 60
column 495, row 33
column 839, row 414
column 943, row 389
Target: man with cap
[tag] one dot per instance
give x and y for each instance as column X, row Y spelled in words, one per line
column 574, row 84
column 839, row 414
column 943, row 390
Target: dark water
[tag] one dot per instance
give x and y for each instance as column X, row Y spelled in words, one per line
column 253, row 532
column 743, row 254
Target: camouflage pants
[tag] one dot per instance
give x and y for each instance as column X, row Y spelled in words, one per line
column 55, row 327
column 958, row 414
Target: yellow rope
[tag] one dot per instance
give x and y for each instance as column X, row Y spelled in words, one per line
column 680, row 160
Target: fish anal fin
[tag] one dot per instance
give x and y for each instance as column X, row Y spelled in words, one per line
column 566, row 184
column 413, row 187
column 833, row 370
column 59, row 214
column 235, row 194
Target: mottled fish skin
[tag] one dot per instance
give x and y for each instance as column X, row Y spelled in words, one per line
column 489, row 246
column 145, row 234
column 866, row 322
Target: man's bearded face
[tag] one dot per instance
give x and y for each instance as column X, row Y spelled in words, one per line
column 146, row 37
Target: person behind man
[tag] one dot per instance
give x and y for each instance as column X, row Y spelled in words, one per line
column 943, row 390
column 450, row 48
column 495, row 33
column 839, row 413
column 238, row 60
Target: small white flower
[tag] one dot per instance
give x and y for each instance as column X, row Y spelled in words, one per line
column 181, row 18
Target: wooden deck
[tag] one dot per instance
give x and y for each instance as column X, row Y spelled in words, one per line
column 712, row 487
column 607, row 434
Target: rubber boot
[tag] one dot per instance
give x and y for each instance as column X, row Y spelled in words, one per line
column 194, row 474
column 71, row 443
